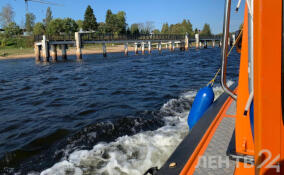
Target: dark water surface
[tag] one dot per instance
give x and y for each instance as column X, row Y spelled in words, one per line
column 49, row 111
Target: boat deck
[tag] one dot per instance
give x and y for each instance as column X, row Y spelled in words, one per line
column 217, row 148
column 204, row 150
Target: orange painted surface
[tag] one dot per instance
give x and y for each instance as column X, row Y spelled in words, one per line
column 189, row 167
column 267, row 83
column 244, row 139
column 244, row 169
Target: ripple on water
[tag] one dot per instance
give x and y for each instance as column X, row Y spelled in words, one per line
column 83, row 116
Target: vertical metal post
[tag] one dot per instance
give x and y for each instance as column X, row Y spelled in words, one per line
column 224, row 52
column 250, row 44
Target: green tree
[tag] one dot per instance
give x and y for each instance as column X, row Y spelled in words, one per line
column 206, row 31
column 116, row 23
column 109, row 21
column 102, row 28
column 48, row 17
column 12, row 29
column 69, row 26
column 55, row 27
column 80, row 24
column 90, row 21
column 39, row 29
column 128, row 31
column 196, row 31
column 165, row 29
column 6, row 15
column 156, row 31
column 186, row 28
column 121, row 22
column 146, row 28
column 134, row 29
column 30, row 22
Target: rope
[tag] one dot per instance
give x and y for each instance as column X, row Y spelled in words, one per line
column 211, row 82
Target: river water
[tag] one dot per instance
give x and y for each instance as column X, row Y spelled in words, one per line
column 114, row 115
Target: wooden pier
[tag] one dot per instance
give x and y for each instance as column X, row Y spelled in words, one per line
column 46, row 46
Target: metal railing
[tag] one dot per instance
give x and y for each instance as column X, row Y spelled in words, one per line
column 114, row 37
column 118, row 37
column 110, row 37
column 210, row 37
column 225, row 46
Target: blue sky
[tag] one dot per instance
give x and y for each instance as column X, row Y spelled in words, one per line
column 137, row 11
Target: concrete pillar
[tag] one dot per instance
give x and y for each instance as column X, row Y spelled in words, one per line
column 37, row 53
column 136, row 48
column 213, row 43
column 78, row 45
column 149, row 47
column 63, row 51
column 197, row 40
column 125, row 49
column 143, row 48
column 160, row 47
column 104, row 50
column 53, row 50
column 45, row 49
column 186, row 42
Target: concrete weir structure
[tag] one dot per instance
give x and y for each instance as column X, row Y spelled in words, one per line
column 47, row 46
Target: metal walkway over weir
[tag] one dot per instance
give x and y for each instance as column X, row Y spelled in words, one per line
column 46, row 45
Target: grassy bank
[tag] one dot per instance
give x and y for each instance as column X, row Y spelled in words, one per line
column 12, row 51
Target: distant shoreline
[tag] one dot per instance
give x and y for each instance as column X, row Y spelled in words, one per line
column 72, row 51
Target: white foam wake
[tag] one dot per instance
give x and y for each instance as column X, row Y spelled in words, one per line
column 133, row 155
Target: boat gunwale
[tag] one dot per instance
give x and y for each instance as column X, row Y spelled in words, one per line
column 191, row 142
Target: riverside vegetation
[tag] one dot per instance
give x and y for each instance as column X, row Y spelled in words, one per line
column 16, row 40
